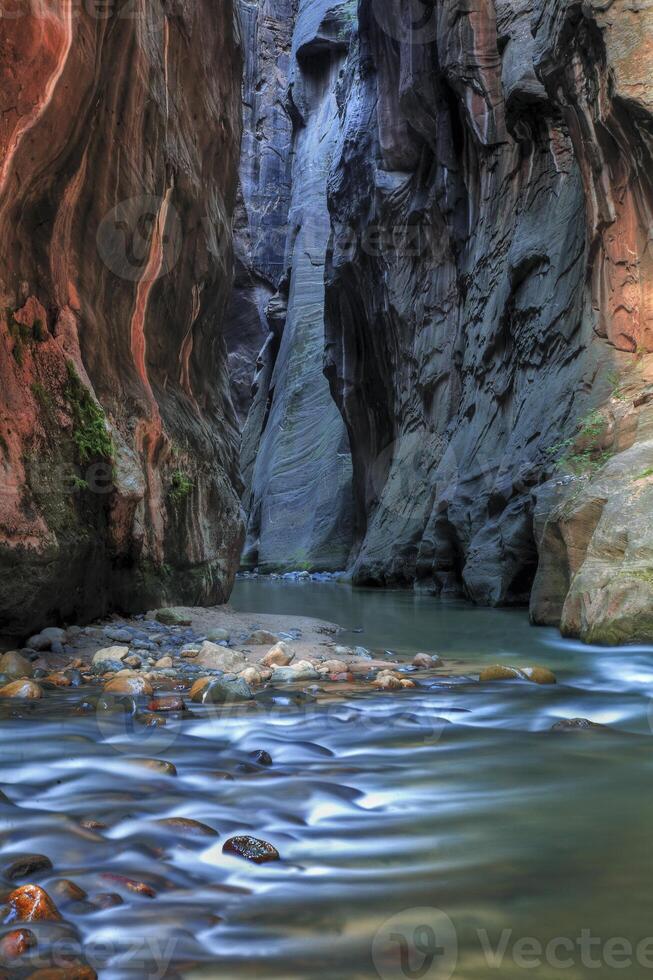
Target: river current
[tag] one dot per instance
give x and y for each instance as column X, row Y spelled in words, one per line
column 439, row 832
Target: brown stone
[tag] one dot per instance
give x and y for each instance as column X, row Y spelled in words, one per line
column 26, row 866
column 31, row 903
column 67, row 890
column 156, row 765
column 128, row 684
column 15, row 665
column 15, row 943
column 280, row 655
column 23, row 689
column 498, row 672
column 426, row 661
column 186, row 826
column 131, row 884
column 169, row 703
column 251, row 848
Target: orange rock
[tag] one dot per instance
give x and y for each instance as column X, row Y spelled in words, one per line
column 15, row 943
column 128, row 685
column 170, row 703
column 184, row 825
column 24, row 689
column 138, row 887
column 59, row 679
column 199, row 686
column 31, row 903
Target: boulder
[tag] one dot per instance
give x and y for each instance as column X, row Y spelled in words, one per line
column 427, row 661
column 24, row 689
column 261, row 637
column 170, row 617
column 215, row 657
column 110, row 654
column 220, row 691
column 280, row 655
column 14, row 665
column 301, row 671
column 26, row 866
column 30, row 903
column 218, row 635
column 130, row 684
column 45, row 639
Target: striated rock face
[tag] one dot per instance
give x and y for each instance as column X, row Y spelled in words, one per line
column 295, row 456
column 118, row 443
column 489, row 302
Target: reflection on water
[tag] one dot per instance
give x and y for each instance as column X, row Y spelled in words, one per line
column 434, row 830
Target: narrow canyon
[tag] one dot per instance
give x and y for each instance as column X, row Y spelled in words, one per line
column 321, row 286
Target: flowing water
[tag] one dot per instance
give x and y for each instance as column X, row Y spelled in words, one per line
column 436, row 832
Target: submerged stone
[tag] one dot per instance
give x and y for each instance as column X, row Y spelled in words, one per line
column 252, row 849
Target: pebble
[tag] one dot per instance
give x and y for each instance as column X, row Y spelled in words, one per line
column 30, row 903
column 219, row 691
column 218, row 635
column 45, row 639
column 127, row 685
column 427, row 661
column 261, row 637
column 117, row 634
column 251, row 676
column 26, row 865
column 24, row 689
column 280, row 655
column 215, row 657
column 110, row 655
column 261, row 757
column 15, row 943
column 578, row 725
column 68, row 891
column 251, row 848
column 170, row 703
column 184, row 825
column 163, row 663
column 13, row 665
column 138, row 887
column 301, row 671
column 133, row 660
column 156, row 765
column 170, row 617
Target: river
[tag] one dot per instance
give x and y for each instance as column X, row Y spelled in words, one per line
column 436, row 832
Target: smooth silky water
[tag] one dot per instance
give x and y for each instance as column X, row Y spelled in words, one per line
column 447, row 818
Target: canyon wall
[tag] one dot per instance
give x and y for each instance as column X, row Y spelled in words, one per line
column 119, row 140
column 488, row 303
column 295, row 455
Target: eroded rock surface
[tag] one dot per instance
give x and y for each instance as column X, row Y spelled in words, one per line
column 488, row 297
column 118, row 441
column 295, row 456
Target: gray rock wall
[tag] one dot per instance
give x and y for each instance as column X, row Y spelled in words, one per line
column 295, row 457
column 489, row 202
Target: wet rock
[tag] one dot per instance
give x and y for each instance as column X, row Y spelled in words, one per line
column 59, row 679
column 334, row 667
column 159, row 766
column 218, row 635
column 128, row 685
column 163, row 663
column 498, row 672
column 171, row 702
column 406, row 683
column 26, row 866
column 301, row 671
column 215, row 657
column 110, row 655
column 261, row 637
column 67, row 890
column 280, row 655
column 30, row 903
column 221, row 691
column 131, row 884
column 107, row 900
column 118, row 634
column 427, row 661
column 45, row 639
column 69, row 971
column 13, row 665
column 539, row 675
column 170, row 617
column 251, row 848
column 187, row 827
column 387, row 682
column 16, row 943
column 261, row 757
column 22, row 689
column 251, row 676
column 578, row 725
